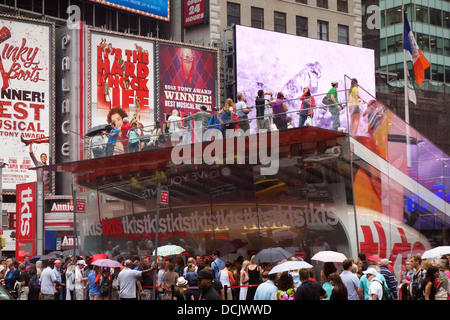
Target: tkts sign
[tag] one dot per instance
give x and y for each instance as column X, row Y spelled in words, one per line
column 26, row 220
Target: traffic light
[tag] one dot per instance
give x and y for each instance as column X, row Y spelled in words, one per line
column 2, row 242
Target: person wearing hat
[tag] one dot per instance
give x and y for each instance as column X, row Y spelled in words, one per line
column 375, row 287
column 80, row 280
column 364, row 283
column 182, row 291
column 389, row 276
column 208, row 292
column 335, row 108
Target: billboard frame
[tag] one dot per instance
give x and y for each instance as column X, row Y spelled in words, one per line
column 52, row 76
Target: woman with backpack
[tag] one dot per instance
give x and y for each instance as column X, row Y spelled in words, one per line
column 104, row 284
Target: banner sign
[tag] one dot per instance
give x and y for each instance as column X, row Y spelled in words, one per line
column 188, row 79
column 122, row 80
column 26, row 220
column 25, row 100
column 195, row 12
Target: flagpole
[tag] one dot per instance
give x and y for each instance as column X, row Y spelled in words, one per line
column 405, row 69
column 405, row 76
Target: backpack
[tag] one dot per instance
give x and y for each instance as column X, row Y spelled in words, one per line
column 105, row 284
column 387, row 294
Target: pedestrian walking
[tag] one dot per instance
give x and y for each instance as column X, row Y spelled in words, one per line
column 350, row 279
column 309, row 290
column 339, row 291
column 127, row 281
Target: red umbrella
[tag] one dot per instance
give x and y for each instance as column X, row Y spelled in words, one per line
column 373, row 258
column 96, row 257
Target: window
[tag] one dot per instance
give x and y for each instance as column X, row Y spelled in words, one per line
column 423, row 41
column 302, row 1
column 436, row 45
column 437, row 72
column 393, row 16
column 280, row 21
column 395, row 44
column 436, row 17
column 322, row 30
column 447, row 74
column 343, row 34
column 301, row 26
column 447, row 48
column 382, row 46
column 233, row 13
column 446, row 19
column 421, row 14
column 322, row 4
column 342, row 5
column 257, row 18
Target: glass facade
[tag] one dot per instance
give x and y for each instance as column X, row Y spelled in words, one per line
column 383, row 191
column 431, row 27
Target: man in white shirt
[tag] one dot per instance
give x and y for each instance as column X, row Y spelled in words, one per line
column 241, row 111
column 48, row 281
column 375, row 285
column 350, row 279
column 127, row 280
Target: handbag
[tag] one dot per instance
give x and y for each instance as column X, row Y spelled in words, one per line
column 309, row 121
column 327, row 101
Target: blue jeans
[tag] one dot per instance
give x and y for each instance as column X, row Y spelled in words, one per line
column 134, row 147
column 335, row 113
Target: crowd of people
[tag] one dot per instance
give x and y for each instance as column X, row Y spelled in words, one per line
column 271, row 114
column 211, row 278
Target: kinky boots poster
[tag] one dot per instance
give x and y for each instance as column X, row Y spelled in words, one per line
column 26, row 101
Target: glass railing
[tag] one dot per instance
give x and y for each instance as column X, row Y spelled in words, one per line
column 391, row 138
column 315, row 113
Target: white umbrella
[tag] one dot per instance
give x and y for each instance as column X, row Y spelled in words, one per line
column 107, row 263
column 169, row 250
column 329, row 256
column 290, row 265
column 436, row 253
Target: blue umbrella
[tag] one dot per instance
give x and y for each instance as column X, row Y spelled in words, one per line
column 35, row 258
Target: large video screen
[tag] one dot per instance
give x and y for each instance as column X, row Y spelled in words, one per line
column 278, row 62
column 158, row 9
column 26, row 70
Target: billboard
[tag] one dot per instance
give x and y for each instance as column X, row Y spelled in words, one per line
column 195, row 12
column 158, row 9
column 26, row 220
column 26, row 102
column 188, row 79
column 121, row 79
column 275, row 62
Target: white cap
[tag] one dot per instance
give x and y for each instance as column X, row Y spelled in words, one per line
column 371, row 271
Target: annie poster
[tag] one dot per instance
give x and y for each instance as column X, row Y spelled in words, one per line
column 25, row 101
column 122, row 80
column 187, row 80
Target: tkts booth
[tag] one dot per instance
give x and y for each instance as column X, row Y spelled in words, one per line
column 370, row 191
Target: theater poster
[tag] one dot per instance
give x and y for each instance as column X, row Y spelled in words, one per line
column 122, row 79
column 26, row 81
column 188, row 79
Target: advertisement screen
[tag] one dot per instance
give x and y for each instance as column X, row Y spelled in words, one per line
column 187, row 80
column 277, row 62
column 158, row 9
column 122, row 80
column 25, row 101
column 25, row 220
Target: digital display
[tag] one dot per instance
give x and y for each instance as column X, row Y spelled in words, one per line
column 277, row 62
column 158, row 9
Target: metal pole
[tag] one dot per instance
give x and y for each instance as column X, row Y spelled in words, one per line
column 155, row 273
column 75, row 231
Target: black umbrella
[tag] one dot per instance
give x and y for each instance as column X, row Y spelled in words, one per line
column 52, row 256
column 78, row 252
column 98, row 129
column 272, row 255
